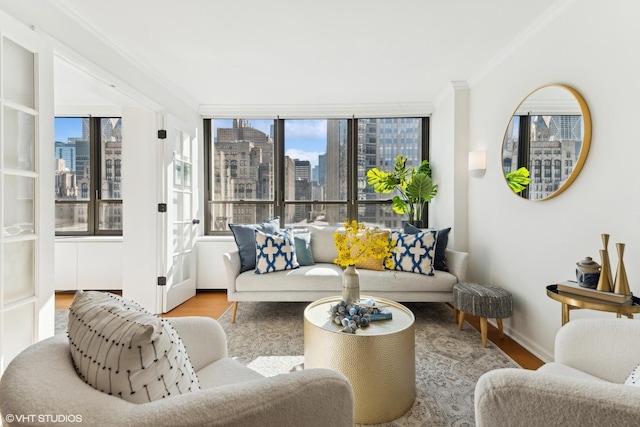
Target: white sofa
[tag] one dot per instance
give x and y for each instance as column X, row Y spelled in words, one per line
column 42, row 381
column 324, row 278
column 584, row 386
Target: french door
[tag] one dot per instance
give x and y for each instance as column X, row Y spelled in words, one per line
column 26, row 189
column 180, row 224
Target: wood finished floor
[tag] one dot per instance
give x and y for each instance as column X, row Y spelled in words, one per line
column 214, row 304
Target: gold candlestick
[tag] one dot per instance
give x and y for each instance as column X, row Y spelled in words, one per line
column 605, row 283
column 621, row 284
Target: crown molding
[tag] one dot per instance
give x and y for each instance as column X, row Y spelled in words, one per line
column 330, row 111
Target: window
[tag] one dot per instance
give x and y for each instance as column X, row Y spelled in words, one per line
column 88, row 176
column 305, row 171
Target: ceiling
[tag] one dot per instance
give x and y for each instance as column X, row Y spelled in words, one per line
column 252, row 52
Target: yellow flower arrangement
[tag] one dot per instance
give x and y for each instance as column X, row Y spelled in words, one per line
column 358, row 242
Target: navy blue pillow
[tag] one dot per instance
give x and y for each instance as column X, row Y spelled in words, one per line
column 441, row 245
column 245, row 236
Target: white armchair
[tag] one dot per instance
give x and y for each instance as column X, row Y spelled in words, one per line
column 42, row 381
column 582, row 387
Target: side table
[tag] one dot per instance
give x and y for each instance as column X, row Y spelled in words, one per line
column 573, row 301
column 378, row 360
column 484, row 301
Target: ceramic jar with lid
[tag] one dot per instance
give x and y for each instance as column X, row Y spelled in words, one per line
column 588, row 273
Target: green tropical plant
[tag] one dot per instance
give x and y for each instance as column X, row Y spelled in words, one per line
column 518, row 179
column 414, row 186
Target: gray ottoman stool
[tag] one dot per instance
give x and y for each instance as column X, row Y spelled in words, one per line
column 483, row 301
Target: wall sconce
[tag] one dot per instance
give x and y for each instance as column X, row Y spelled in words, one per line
column 477, row 163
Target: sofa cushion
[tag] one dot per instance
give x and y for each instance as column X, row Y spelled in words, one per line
column 414, row 252
column 324, row 277
column 275, row 252
column 302, row 242
column 245, row 237
column 322, row 244
column 440, row 261
column 121, row 349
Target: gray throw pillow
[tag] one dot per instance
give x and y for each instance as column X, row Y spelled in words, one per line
column 245, row 236
column 303, row 248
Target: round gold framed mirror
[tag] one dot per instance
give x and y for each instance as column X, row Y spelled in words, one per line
column 549, row 136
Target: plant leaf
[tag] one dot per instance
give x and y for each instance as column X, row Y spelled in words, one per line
column 382, row 182
column 518, row 179
column 399, row 205
column 421, row 188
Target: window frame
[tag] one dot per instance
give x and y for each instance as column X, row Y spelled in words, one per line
column 279, row 203
column 95, row 173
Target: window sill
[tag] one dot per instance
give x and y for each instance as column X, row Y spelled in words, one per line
column 76, row 239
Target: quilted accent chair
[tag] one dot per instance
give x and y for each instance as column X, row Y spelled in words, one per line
column 584, row 386
column 43, row 380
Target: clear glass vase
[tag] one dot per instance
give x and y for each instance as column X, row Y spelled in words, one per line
column 350, row 285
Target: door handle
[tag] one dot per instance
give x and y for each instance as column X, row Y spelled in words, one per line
column 195, row 221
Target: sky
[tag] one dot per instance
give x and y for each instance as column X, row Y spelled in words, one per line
column 67, row 127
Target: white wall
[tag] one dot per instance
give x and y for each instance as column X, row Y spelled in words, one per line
column 522, row 245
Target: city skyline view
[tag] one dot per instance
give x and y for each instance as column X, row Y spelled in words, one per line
column 306, row 139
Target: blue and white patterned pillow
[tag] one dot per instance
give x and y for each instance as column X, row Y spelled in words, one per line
column 415, row 253
column 275, row 252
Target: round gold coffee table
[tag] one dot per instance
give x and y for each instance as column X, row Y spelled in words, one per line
column 378, row 360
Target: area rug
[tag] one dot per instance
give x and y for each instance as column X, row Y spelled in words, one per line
column 268, row 337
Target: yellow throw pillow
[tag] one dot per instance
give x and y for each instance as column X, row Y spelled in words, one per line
column 368, row 262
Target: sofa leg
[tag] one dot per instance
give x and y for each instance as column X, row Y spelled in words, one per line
column 234, row 309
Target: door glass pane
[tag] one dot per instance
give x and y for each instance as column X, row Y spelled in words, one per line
column 177, row 243
column 18, row 331
column 187, row 237
column 18, row 204
column 110, row 215
column 186, row 206
column 111, row 158
column 177, row 174
column 19, row 274
column 178, row 210
column 19, row 135
column 186, row 168
column 73, row 154
column 223, row 214
column 72, row 217
column 177, row 269
column 242, row 159
column 18, row 74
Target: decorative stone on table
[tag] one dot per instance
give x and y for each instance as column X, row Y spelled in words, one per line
column 483, row 301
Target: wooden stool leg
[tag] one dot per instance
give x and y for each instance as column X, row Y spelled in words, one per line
column 483, row 330
column 499, row 322
column 234, row 309
column 455, row 315
column 460, row 320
